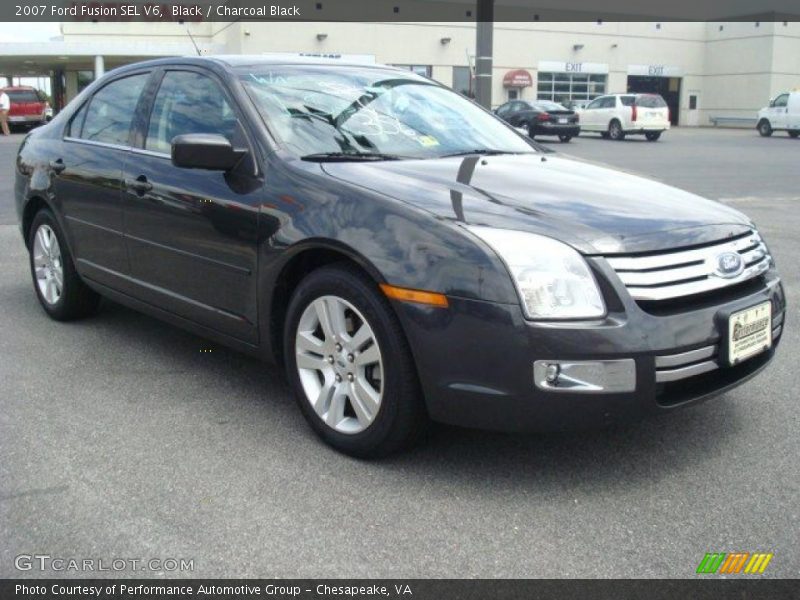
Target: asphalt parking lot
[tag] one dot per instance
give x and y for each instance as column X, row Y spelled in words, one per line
column 120, row 438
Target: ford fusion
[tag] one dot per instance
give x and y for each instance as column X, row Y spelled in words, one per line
column 406, row 255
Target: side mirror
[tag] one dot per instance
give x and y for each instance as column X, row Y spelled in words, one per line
column 209, row 151
column 772, row 103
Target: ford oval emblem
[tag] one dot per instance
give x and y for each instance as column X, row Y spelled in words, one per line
column 729, row 265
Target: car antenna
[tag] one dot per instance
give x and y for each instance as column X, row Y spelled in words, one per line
column 189, row 33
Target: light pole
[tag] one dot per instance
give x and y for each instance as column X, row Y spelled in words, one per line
column 483, row 52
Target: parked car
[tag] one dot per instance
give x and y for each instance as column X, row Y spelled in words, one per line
column 403, row 253
column 541, row 117
column 782, row 114
column 27, row 107
column 617, row 115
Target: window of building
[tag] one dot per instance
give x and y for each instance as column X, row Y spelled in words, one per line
column 570, row 87
column 424, row 70
column 108, row 118
column 462, row 81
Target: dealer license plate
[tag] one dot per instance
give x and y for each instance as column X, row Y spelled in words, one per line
column 749, row 332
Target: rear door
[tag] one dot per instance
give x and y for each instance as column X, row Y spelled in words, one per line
column 87, row 179
column 652, row 111
column 192, row 234
column 25, row 106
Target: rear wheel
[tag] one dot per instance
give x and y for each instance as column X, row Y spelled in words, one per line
column 564, row 138
column 652, row 136
column 531, row 131
column 615, row 131
column 350, row 366
column 764, row 128
column 794, row 134
column 58, row 286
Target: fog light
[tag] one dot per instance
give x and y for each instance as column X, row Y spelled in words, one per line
column 551, row 373
column 585, row 376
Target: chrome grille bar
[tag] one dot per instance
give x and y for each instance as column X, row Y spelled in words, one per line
column 688, row 272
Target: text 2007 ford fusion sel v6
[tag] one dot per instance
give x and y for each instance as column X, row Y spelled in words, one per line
column 404, row 253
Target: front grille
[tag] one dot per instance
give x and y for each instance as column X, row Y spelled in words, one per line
column 682, row 273
column 684, row 365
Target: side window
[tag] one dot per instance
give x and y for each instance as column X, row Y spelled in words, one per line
column 610, row 102
column 76, row 124
column 596, row 103
column 782, row 100
column 111, row 110
column 504, row 110
column 188, row 102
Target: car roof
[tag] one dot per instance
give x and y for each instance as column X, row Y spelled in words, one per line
column 231, row 61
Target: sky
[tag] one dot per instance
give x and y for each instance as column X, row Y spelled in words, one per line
column 27, row 32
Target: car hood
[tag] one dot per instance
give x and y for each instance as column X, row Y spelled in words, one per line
column 596, row 209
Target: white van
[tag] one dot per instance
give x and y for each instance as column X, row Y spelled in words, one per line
column 782, row 114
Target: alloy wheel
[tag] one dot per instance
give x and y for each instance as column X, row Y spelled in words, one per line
column 340, row 364
column 48, row 265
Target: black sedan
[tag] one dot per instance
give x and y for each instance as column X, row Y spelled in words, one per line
column 404, row 254
column 541, row 117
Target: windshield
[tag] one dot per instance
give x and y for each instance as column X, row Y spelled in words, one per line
column 351, row 110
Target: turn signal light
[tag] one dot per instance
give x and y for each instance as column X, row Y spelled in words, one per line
column 416, row 296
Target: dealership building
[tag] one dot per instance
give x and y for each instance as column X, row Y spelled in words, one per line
column 707, row 72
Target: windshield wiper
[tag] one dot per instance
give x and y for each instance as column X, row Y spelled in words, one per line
column 350, row 156
column 483, row 152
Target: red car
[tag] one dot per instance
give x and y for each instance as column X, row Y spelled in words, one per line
column 27, row 106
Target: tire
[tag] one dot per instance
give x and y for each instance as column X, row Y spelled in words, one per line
column 615, row 131
column 531, row 131
column 565, row 138
column 50, row 256
column 794, row 134
column 764, row 128
column 604, row 135
column 652, row 136
column 372, row 409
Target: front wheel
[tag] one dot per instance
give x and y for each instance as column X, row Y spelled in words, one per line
column 615, row 131
column 652, row 136
column 564, row 138
column 350, row 366
column 61, row 292
column 764, row 128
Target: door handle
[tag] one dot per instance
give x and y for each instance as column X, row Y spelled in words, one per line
column 57, row 165
column 140, row 185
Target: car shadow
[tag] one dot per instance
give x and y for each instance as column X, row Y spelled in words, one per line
column 259, row 405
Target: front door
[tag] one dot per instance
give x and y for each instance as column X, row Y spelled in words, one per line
column 191, row 233
column 778, row 112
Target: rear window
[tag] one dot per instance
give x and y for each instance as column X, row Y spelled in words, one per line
column 548, row 106
column 650, row 101
column 20, row 96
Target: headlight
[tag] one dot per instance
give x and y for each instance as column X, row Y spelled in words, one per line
column 553, row 279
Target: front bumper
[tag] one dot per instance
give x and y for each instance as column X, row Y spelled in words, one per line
column 476, row 359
